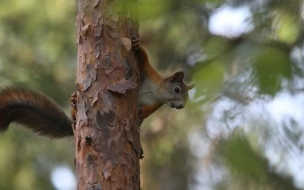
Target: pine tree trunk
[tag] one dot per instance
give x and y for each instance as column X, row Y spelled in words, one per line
column 107, row 128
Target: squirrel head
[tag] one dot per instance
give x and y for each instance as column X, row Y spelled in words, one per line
column 176, row 90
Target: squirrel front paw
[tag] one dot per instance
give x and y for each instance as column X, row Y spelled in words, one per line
column 73, row 100
column 141, row 116
column 135, row 43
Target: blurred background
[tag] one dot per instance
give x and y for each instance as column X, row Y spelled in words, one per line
column 242, row 127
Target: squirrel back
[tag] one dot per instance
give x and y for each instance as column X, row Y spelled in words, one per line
column 34, row 110
column 156, row 90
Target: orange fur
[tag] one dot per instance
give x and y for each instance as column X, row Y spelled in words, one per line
column 41, row 114
column 148, row 109
column 156, row 90
column 146, row 68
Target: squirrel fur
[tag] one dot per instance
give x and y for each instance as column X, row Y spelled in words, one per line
column 45, row 117
column 34, row 110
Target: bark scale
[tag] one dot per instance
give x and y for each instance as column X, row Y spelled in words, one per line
column 107, row 121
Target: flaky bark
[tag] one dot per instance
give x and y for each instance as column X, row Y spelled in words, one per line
column 107, row 131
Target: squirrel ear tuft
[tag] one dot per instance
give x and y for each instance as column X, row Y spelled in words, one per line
column 190, row 86
column 178, row 76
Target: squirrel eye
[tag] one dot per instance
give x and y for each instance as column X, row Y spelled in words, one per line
column 177, row 90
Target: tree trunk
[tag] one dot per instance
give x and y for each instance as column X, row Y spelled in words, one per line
column 107, row 128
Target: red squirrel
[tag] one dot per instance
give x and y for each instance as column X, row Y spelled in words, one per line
column 41, row 114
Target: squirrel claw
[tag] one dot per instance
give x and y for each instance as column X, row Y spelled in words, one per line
column 141, row 154
column 135, row 42
column 73, row 99
column 141, row 118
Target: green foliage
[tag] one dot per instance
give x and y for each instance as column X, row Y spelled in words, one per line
column 36, row 52
column 248, row 165
column 272, row 66
column 244, row 160
column 34, row 47
column 209, row 76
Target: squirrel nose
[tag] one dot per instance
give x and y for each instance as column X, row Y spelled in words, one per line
column 180, row 106
column 172, row 105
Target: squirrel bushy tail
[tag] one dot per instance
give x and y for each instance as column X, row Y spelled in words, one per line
column 33, row 110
